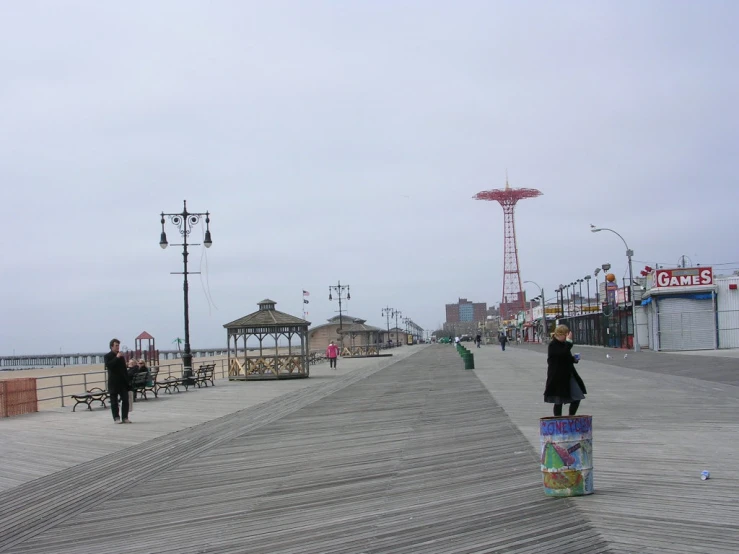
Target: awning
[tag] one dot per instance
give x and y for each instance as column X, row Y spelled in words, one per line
column 674, row 291
column 693, row 296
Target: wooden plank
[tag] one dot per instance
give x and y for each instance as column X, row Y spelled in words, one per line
column 417, row 457
column 658, row 420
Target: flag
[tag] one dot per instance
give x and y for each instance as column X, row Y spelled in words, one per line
column 306, row 293
column 305, row 301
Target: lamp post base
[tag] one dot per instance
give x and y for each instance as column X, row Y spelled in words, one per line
column 187, row 367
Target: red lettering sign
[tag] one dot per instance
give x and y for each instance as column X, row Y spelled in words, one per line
column 683, row 277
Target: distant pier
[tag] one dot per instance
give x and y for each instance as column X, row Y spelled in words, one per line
column 25, row 361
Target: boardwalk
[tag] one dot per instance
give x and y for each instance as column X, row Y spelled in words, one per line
column 416, row 456
column 658, row 421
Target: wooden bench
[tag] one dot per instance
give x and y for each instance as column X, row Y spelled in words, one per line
column 169, row 384
column 138, row 384
column 95, row 394
column 205, row 374
column 151, row 384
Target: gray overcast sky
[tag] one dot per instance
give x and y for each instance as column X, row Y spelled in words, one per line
column 345, row 140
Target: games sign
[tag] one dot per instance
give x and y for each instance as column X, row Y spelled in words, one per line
column 683, row 277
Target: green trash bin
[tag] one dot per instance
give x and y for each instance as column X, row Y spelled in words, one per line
column 469, row 361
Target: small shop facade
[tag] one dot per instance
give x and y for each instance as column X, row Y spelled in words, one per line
column 682, row 307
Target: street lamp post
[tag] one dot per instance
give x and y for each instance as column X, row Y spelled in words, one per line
column 580, row 318
column 572, row 296
column 387, row 313
column 544, row 327
column 605, row 306
column 339, row 290
column 597, row 304
column 587, row 321
column 629, row 255
column 396, row 315
column 185, row 221
column 561, row 291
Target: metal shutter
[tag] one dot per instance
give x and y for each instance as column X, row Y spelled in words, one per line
column 686, row 324
column 653, row 326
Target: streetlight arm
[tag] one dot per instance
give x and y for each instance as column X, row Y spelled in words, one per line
column 612, row 231
column 629, row 254
column 535, row 283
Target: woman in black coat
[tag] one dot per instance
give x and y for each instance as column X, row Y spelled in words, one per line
column 564, row 385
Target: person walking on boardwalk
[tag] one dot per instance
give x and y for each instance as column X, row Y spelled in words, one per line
column 564, row 385
column 478, row 340
column 503, row 340
column 332, row 352
column 115, row 365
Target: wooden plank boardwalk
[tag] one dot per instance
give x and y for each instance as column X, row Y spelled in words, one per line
column 658, row 421
column 414, row 457
column 38, row 444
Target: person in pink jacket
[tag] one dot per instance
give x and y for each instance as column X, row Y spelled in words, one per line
column 332, row 352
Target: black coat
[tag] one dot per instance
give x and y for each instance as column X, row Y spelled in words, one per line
column 560, row 366
column 117, row 372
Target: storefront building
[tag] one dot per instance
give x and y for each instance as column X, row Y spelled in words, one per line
column 681, row 309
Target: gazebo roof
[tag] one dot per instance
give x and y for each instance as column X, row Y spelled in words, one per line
column 267, row 316
column 145, row 336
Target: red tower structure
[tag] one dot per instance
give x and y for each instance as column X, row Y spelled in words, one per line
column 513, row 300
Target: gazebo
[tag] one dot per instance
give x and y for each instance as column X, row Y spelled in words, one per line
column 272, row 361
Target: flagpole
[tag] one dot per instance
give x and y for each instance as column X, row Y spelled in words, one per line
column 305, row 301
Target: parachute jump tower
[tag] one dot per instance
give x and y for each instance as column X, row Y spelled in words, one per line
column 513, row 300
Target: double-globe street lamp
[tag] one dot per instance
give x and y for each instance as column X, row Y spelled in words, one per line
column 629, row 254
column 339, row 290
column 587, row 321
column 544, row 328
column 185, row 221
column 605, row 306
column 561, row 300
column 396, row 315
column 572, row 297
column 387, row 313
column 598, row 305
column 580, row 319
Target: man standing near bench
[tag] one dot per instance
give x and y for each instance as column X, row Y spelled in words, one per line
column 115, row 365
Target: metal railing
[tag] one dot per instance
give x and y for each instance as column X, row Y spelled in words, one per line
column 68, row 384
column 57, row 388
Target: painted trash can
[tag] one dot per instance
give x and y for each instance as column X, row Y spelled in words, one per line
column 567, row 455
column 469, row 361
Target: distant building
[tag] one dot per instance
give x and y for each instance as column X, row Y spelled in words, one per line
column 355, row 330
column 398, row 335
column 465, row 311
column 464, row 317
